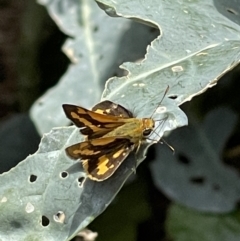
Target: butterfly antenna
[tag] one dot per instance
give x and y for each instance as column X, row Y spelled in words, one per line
column 170, row 147
column 162, row 140
column 167, row 89
column 155, row 131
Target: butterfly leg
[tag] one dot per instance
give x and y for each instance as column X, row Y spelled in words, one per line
column 136, row 153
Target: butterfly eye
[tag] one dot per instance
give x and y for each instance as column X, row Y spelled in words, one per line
column 147, row 132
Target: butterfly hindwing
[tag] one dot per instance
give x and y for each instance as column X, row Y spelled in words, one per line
column 101, row 157
column 109, row 108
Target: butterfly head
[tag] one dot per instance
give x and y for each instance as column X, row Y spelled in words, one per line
column 148, row 126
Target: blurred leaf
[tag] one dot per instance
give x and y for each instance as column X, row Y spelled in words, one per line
column 129, row 209
column 184, row 224
column 94, row 41
column 195, row 175
column 17, row 134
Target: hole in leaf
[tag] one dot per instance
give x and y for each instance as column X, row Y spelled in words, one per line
column 173, row 97
column 45, row 221
column 232, row 11
column 59, row 217
column 183, row 159
column 33, row 178
column 64, row 174
column 197, row 180
column 81, row 181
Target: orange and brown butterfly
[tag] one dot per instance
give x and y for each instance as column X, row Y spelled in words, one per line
column 111, row 134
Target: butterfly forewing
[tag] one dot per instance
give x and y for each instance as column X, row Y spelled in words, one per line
column 95, row 124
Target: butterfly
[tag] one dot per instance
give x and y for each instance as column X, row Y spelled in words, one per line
column 111, row 134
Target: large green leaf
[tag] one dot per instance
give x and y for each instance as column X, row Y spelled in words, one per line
column 37, row 191
column 187, row 57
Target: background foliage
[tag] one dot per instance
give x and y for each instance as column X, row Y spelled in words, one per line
column 202, row 175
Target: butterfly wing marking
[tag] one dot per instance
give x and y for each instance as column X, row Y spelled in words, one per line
column 95, row 124
column 101, row 157
column 107, row 107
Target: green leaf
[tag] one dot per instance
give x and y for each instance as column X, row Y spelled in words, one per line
column 196, row 175
column 184, row 224
column 37, row 190
column 187, row 57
